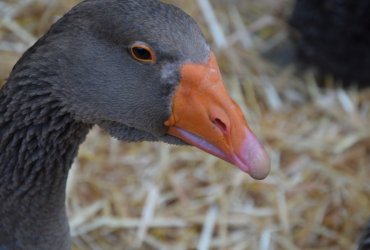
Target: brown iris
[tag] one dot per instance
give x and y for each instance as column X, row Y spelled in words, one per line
column 142, row 53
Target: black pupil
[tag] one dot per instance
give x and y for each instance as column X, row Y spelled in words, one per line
column 142, row 53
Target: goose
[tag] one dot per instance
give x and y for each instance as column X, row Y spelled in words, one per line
column 332, row 36
column 364, row 243
column 139, row 69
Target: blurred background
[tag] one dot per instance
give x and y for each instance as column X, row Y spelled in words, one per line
column 157, row 196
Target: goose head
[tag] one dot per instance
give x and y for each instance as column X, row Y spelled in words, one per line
column 142, row 70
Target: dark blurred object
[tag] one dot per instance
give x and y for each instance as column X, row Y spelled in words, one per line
column 365, row 239
column 333, row 36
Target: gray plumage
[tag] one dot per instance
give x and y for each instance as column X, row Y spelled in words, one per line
column 80, row 74
column 364, row 243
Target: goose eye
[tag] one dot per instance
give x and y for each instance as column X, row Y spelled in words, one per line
column 142, row 53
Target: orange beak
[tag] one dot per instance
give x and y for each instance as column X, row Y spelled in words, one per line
column 204, row 115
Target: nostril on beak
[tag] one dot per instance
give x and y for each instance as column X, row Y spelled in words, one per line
column 220, row 125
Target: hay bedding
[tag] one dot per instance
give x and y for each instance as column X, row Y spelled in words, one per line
column 156, row 196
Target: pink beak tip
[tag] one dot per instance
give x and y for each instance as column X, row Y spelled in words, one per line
column 254, row 160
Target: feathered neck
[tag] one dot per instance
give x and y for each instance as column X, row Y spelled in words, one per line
column 38, row 142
